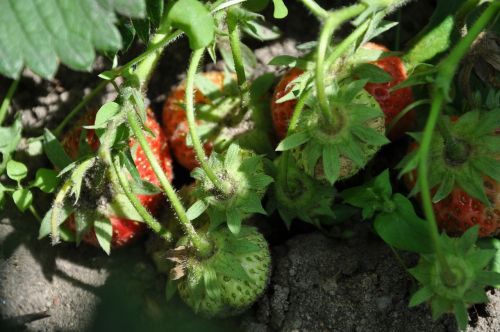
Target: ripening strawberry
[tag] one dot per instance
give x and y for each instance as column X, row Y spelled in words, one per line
column 175, row 121
column 464, row 175
column 392, row 103
column 124, row 230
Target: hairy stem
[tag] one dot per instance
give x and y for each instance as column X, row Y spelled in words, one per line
column 201, row 244
column 442, row 85
column 316, row 9
column 95, row 91
column 197, row 145
column 56, row 209
column 143, row 212
column 333, row 21
column 234, row 40
column 7, row 99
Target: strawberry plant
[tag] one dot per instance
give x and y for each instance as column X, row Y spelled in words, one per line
column 338, row 106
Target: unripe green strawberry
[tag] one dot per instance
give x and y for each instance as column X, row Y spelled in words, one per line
column 231, row 279
column 336, row 153
column 242, row 173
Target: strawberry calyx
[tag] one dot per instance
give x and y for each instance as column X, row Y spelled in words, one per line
column 463, row 159
column 242, row 173
column 467, row 264
column 330, row 153
column 229, row 280
column 296, row 195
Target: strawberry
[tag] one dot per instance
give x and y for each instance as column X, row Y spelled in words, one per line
column 124, row 230
column 336, row 151
column 392, row 103
column 230, row 280
column 464, row 174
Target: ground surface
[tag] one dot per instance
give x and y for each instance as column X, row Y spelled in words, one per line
column 318, row 284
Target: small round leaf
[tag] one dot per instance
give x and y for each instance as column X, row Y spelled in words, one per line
column 22, row 198
column 46, row 180
column 16, row 170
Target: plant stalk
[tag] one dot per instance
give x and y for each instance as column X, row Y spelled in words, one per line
column 57, row 206
column 333, row 21
column 316, row 9
column 200, row 243
column 7, row 99
column 95, row 91
column 197, row 145
column 234, row 40
column 443, row 81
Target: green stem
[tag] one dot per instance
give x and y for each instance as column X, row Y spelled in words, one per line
column 6, row 101
column 197, row 145
column 35, row 214
column 406, row 110
column 316, row 9
column 77, row 108
column 234, row 40
column 346, row 43
column 152, row 53
column 442, row 85
column 201, row 244
column 57, row 206
column 143, row 212
column 334, row 20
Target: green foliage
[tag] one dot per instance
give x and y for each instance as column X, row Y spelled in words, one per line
column 37, row 34
column 192, row 17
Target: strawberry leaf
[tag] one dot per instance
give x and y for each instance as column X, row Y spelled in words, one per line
column 104, row 233
column 192, row 17
column 46, row 180
column 22, row 198
column 38, row 34
column 372, row 73
column 54, row 150
column 280, row 10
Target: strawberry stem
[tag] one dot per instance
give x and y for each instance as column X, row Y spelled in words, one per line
column 441, row 88
column 56, row 208
column 316, row 9
column 143, row 212
column 95, row 91
column 406, row 110
column 201, row 244
column 197, row 145
column 333, row 21
column 6, row 101
column 235, row 42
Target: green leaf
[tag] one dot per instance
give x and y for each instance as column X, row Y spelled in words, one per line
column 259, row 30
column 280, row 10
column 142, row 28
column 420, row 296
column 372, row 73
column 154, row 9
column 461, row 315
column 22, row 198
column 445, row 188
column 105, row 113
column 468, row 239
column 171, row 289
column 252, row 204
column 196, row 210
column 16, row 170
column 472, row 183
column 192, row 17
column 488, row 278
column 230, row 266
column 46, row 180
column 288, row 61
column 234, row 220
column 331, row 163
column 487, row 166
column 84, row 219
column 37, row 33
column 45, row 226
column 9, row 137
column 293, row 141
column 369, row 135
column 144, row 187
column 120, row 206
column 54, row 150
column 403, row 229
column 104, row 233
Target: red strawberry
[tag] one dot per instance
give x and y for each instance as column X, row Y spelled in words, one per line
column 282, row 112
column 124, row 230
column 392, row 103
column 175, row 121
column 460, row 210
